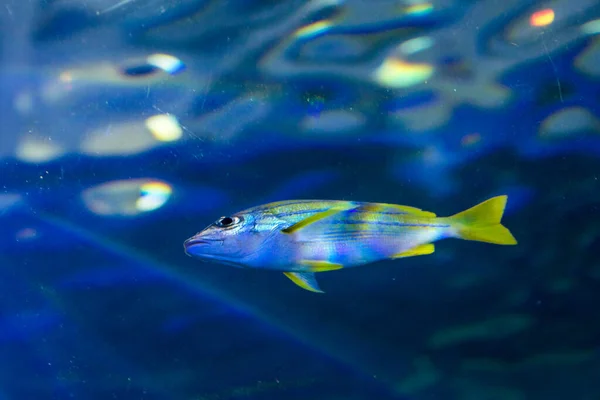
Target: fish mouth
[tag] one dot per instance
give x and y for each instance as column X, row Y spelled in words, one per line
column 195, row 242
column 193, row 248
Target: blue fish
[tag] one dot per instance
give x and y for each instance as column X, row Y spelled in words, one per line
column 304, row 237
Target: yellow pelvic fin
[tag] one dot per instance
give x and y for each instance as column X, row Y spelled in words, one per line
column 421, row 250
column 317, row 217
column 482, row 223
column 320, row 266
column 306, row 280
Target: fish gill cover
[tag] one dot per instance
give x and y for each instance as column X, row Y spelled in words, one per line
column 126, row 126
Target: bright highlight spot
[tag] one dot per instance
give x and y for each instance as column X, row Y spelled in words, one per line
column 127, row 198
column 66, row 76
column 314, row 29
column 587, row 61
column 415, row 45
column 164, row 127
column 153, row 196
column 395, row 73
column 569, row 123
column 132, row 137
column 167, row 63
column 542, row 17
column 36, row 149
column 419, row 9
column 591, row 28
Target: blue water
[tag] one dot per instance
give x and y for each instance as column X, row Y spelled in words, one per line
column 128, row 126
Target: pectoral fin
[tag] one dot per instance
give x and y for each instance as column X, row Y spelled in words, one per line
column 306, row 280
column 317, row 217
column 421, row 250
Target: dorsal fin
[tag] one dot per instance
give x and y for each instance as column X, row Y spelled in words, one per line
column 378, row 207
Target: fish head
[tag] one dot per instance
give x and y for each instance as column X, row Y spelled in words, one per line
column 231, row 240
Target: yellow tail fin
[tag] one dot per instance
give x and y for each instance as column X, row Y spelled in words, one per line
column 482, row 223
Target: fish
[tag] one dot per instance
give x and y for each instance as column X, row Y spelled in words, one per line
column 301, row 238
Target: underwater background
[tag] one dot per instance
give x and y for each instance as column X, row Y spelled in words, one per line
column 128, row 126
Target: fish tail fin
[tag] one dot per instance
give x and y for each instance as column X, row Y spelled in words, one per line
column 481, row 223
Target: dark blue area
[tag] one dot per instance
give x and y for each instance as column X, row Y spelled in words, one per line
column 61, row 24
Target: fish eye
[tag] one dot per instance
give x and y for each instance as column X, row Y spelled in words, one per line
column 228, row 221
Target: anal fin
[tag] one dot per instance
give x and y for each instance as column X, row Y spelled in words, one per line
column 320, row 266
column 421, row 250
column 306, row 280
